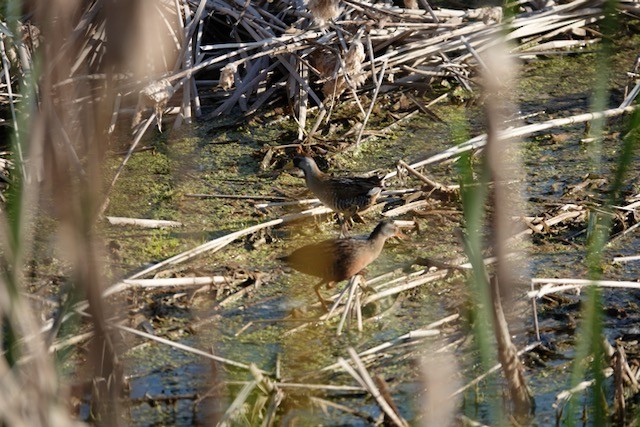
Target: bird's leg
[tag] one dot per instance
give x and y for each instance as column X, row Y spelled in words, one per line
column 344, row 228
column 345, row 224
column 363, row 283
column 323, row 301
column 358, row 218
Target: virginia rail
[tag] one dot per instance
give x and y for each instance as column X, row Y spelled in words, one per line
column 335, row 260
column 344, row 195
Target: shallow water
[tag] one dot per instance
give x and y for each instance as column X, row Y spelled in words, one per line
column 227, row 163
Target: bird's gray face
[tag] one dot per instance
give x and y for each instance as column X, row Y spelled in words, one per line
column 303, row 163
column 389, row 229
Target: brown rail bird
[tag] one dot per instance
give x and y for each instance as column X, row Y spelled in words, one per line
column 335, row 260
column 344, row 195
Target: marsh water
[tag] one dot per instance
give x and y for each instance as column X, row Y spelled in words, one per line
column 209, row 158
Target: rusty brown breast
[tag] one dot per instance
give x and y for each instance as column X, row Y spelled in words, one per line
column 335, row 260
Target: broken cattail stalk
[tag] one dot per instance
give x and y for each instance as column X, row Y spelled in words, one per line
column 236, row 197
column 186, row 348
column 563, row 397
column 480, row 140
column 146, row 223
column 492, row 370
column 558, row 285
column 369, row 384
column 353, row 287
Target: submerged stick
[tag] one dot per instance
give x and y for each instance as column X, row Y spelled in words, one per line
column 493, row 369
column 324, row 403
column 374, row 390
column 183, row 347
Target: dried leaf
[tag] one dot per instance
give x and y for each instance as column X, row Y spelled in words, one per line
column 353, row 69
column 324, row 10
column 410, row 4
column 157, row 94
column 227, row 76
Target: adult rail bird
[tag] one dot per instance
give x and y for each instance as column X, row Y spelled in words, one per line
column 335, row 260
column 345, row 195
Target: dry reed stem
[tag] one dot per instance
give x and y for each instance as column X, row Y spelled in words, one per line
column 236, row 407
column 480, row 140
column 493, row 369
column 184, row 347
column 323, row 403
column 309, row 386
column 619, row 404
column 504, row 166
column 564, row 396
column 439, row 372
column 554, row 285
column 178, row 282
column 139, row 222
column 362, row 376
column 239, row 197
column 418, row 335
column 435, row 185
column 353, row 287
column 220, row 242
column 626, row 258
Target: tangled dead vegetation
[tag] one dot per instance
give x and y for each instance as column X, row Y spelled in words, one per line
column 212, row 58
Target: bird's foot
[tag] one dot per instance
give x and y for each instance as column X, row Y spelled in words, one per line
column 344, row 231
column 325, row 304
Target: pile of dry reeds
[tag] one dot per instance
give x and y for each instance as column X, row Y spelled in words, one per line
column 208, row 58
